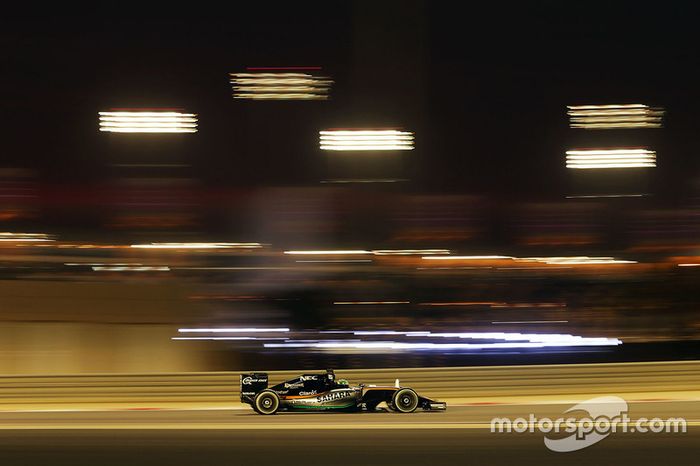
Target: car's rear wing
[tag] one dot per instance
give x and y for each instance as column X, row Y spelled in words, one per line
column 252, row 384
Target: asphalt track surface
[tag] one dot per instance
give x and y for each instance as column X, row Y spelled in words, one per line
column 460, row 436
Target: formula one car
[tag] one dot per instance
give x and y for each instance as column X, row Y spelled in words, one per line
column 322, row 392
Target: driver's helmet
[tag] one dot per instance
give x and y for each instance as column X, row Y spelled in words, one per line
column 342, row 382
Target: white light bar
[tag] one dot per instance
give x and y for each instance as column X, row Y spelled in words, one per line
column 197, row 246
column 140, row 268
column 558, row 260
column 610, row 158
column 148, row 122
column 615, row 116
column 232, row 330
column 466, row 258
column 280, row 86
column 329, row 252
column 24, row 237
column 408, row 252
column 366, row 140
column 578, row 260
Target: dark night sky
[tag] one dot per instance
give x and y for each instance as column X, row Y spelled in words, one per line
column 484, row 88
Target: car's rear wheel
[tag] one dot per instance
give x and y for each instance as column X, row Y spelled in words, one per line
column 266, row 402
column 405, row 400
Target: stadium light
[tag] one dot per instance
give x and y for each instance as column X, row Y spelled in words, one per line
column 615, row 116
column 610, row 158
column 366, row 140
column 289, row 83
column 148, row 122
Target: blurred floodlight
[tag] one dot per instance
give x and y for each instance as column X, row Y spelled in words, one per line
column 232, row 330
column 579, row 260
column 610, row 158
column 615, row 116
column 291, row 83
column 148, row 122
column 24, row 237
column 138, row 268
column 556, row 260
column 507, row 340
column 328, row 252
column 467, row 258
column 213, row 338
column 409, row 252
column 197, row 246
column 366, row 140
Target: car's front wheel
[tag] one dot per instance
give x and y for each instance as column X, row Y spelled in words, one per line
column 266, row 402
column 404, row 401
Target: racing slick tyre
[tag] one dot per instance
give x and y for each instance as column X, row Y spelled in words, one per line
column 266, row 402
column 404, row 401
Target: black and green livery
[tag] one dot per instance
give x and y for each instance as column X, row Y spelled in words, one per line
column 323, row 392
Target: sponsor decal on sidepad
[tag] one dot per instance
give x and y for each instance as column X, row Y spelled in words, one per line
column 251, row 380
column 335, row 396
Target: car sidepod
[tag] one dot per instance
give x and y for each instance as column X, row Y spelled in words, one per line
column 339, row 398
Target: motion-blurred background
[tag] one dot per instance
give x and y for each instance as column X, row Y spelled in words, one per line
column 246, row 244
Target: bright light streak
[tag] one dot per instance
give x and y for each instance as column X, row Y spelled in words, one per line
column 336, row 261
column 148, row 122
column 462, row 303
column 562, row 260
column 24, row 237
column 365, row 140
column 197, row 246
column 232, row 330
column 531, row 322
column 408, row 252
column 280, row 86
column 514, row 340
column 101, row 264
column 689, row 265
column 376, row 252
column 328, row 252
column 213, row 338
column 139, row 268
column 578, row 260
column 615, row 116
column 596, row 196
column 369, row 302
column 610, row 158
column 466, row 258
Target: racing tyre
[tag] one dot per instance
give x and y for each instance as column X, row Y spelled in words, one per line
column 266, row 402
column 404, row 401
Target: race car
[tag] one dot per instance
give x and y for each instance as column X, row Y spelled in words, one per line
column 323, row 392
